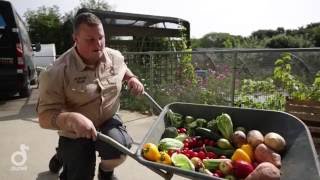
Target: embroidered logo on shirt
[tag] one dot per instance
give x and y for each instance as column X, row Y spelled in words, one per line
column 80, row 80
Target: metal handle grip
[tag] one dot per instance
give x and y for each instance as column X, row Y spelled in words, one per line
column 153, row 101
column 115, row 144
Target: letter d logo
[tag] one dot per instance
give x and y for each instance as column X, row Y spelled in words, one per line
column 19, row 157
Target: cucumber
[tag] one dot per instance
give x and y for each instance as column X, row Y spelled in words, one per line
column 219, row 151
column 169, row 143
column 207, row 133
column 213, row 164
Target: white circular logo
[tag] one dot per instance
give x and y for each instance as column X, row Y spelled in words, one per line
column 19, row 157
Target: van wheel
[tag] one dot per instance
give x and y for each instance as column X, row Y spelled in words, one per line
column 26, row 90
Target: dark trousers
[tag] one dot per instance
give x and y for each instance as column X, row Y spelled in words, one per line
column 78, row 155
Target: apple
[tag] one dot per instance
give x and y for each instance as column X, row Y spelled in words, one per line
column 242, row 169
column 226, row 167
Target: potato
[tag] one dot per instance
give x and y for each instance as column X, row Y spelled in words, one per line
column 265, row 171
column 254, row 138
column 275, row 141
column 263, row 153
column 239, row 138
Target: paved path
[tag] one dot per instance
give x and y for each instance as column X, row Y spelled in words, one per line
column 20, row 132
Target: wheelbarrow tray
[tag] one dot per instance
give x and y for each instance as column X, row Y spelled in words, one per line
column 299, row 161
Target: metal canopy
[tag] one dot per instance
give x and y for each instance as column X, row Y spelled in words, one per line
column 141, row 26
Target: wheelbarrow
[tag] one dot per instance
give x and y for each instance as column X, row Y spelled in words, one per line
column 299, row 161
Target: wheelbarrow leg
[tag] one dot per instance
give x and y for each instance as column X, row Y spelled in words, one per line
column 165, row 175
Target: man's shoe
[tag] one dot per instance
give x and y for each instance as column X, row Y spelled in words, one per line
column 55, row 164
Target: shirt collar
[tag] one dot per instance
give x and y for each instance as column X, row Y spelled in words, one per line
column 81, row 66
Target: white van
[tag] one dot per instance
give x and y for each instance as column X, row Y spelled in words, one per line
column 46, row 56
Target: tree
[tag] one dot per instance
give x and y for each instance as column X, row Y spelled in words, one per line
column 283, row 41
column 44, row 25
column 95, row 4
column 220, row 40
column 67, row 26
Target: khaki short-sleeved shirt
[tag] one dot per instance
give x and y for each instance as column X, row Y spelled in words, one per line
column 72, row 86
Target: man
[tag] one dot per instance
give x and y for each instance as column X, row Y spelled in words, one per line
column 79, row 95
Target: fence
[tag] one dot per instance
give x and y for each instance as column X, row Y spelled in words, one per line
column 219, row 72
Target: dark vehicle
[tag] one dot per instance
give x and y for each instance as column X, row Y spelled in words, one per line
column 17, row 70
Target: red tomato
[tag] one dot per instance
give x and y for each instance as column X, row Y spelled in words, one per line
column 171, row 151
column 216, row 175
column 200, row 143
column 212, row 143
column 183, row 130
column 186, row 145
column 219, row 172
column 206, row 141
column 201, row 155
column 195, row 154
column 187, row 140
column 211, row 155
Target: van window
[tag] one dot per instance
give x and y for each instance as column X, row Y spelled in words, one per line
column 2, row 22
column 5, row 35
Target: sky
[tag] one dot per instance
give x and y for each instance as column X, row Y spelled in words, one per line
column 237, row 17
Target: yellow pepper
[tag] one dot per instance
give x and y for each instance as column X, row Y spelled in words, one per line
column 150, row 152
column 248, row 149
column 164, row 158
column 240, row 154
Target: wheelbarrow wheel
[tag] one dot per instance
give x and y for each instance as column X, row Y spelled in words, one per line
column 55, row 164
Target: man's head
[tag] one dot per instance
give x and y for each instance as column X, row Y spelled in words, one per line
column 89, row 37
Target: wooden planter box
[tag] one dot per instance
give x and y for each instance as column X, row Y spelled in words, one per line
column 309, row 113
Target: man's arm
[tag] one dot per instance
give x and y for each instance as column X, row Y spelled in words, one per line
column 70, row 122
column 55, row 120
column 135, row 86
column 128, row 75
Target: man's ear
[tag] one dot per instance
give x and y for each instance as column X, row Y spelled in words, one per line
column 74, row 37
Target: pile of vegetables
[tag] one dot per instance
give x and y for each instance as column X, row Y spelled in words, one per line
column 216, row 148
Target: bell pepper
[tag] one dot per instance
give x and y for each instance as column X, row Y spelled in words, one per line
column 164, row 158
column 240, row 154
column 150, row 152
column 247, row 148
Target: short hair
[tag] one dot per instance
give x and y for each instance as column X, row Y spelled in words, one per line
column 85, row 18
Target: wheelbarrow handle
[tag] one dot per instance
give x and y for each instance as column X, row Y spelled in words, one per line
column 116, row 144
column 153, row 101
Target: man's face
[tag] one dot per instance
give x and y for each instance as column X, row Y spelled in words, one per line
column 90, row 42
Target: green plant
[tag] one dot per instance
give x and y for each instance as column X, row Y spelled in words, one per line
column 295, row 88
column 271, row 92
column 260, row 95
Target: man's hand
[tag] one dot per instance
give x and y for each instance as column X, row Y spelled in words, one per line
column 81, row 126
column 135, row 86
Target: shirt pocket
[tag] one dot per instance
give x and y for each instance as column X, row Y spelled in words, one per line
column 82, row 93
column 111, row 86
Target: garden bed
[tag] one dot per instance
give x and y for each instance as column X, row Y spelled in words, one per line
column 309, row 113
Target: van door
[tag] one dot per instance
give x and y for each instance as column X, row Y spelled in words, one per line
column 8, row 39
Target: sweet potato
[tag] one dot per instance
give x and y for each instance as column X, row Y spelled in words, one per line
column 263, row 153
column 265, row 171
